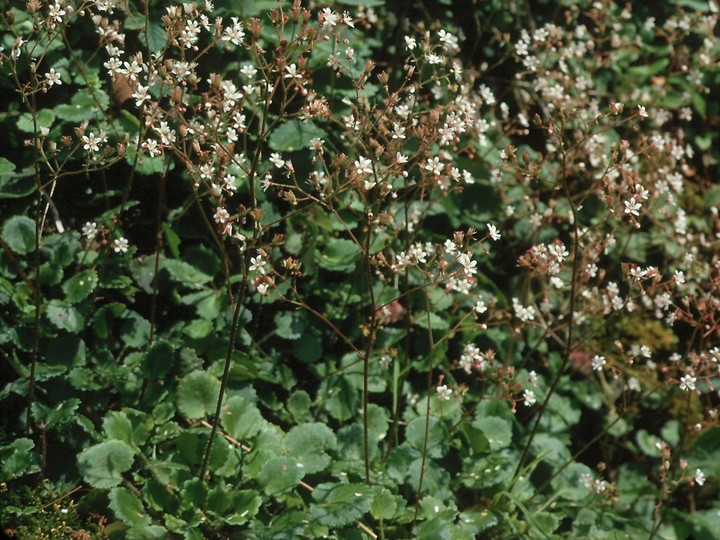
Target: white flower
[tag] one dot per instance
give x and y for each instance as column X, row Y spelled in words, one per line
column 598, row 362
column 262, row 288
column 53, row 77
column 234, row 34
column 257, row 264
column 444, row 392
column 277, row 160
column 529, row 398
column 632, row 207
column 494, row 233
column 363, row 165
column 480, row 307
column 434, row 165
column 642, row 112
column 328, row 18
column 687, row 383
column 92, row 142
column 90, row 230
column 410, row 43
column 699, row 477
column 468, row 264
column 292, row 72
column 221, row 215
column 120, row 245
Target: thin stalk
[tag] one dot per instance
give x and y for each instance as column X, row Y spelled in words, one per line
column 571, row 316
column 239, row 306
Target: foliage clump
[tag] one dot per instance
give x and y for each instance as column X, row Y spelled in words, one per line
column 272, row 270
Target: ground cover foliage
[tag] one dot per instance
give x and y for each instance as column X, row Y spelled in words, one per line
column 359, row 270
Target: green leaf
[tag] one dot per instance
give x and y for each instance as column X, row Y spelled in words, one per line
column 6, row 166
column 159, row 360
column 80, row 286
column 197, row 394
column 194, row 493
column 185, row 273
column 338, row 505
column 65, row 317
column 288, row 325
column 294, row 135
column 298, row 404
column 18, row 459
column 102, row 465
column 135, row 332
column 280, row 474
column 241, row 418
column 18, row 233
column 648, row 443
column 498, row 431
column 82, row 106
column 246, row 505
column 17, row 185
column 66, row 350
column 128, row 508
column 383, row 505
column 43, row 119
column 437, row 438
column 307, row 443
column 339, row 255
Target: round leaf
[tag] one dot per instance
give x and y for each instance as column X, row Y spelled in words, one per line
column 80, row 286
column 307, row 444
column 128, row 508
column 18, row 233
column 197, row 394
column 102, row 465
column 436, row 434
column 497, row 431
column 280, row 474
column 65, row 317
column 241, row 418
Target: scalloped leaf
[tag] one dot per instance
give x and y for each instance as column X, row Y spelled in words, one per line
column 18, row 233
column 339, row 255
column 497, row 431
column 340, row 504
column 294, row 135
column 79, row 287
column 65, row 317
column 280, row 474
column 102, row 465
column 241, row 418
column 197, row 394
column 308, row 444
column 437, row 439
column 128, row 508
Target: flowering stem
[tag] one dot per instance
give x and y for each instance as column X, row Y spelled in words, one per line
column 239, row 307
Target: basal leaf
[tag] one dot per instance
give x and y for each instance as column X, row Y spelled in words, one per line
column 339, row 504
column 294, row 135
column 197, row 394
column 6, row 166
column 280, row 474
column 79, row 287
column 18, row 459
column 102, row 465
column 18, row 233
column 241, row 418
column 339, row 255
column 498, row 431
column 307, row 443
column 128, row 507
column 437, row 439
column 65, row 317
